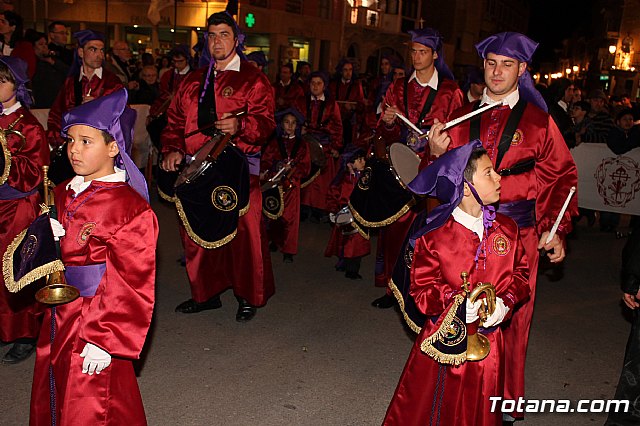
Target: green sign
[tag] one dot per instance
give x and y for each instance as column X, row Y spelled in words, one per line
column 604, row 77
column 250, row 20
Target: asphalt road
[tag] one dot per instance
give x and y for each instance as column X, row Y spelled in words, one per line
column 319, row 354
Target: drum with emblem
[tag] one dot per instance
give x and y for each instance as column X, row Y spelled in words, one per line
column 211, row 199
column 404, row 162
column 273, row 202
column 378, row 199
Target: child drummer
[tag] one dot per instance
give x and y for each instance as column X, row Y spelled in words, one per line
column 464, row 234
column 282, row 204
column 348, row 241
column 84, row 371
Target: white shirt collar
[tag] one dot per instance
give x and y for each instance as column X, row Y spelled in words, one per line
column 234, row 65
column 433, row 83
column 469, row 97
column 563, row 105
column 511, row 99
column 345, row 81
column 184, row 71
column 473, row 224
column 97, row 73
column 77, row 184
column 12, row 108
column 319, row 98
column 283, row 84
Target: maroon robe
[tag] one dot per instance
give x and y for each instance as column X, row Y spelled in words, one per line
column 244, row 263
column 344, row 246
column 66, row 99
column 169, row 83
column 288, row 96
column 284, row 231
column 435, row 280
column 107, row 223
column 328, row 129
column 447, row 100
column 19, row 313
column 547, row 185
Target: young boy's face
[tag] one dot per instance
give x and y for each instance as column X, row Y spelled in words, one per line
column 359, row 164
column 289, row 124
column 7, row 91
column 486, row 181
column 88, row 153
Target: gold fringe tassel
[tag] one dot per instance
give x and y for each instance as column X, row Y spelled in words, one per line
column 384, row 222
column 427, row 344
column 280, row 211
column 7, row 160
column 311, row 179
column 396, row 292
column 194, row 237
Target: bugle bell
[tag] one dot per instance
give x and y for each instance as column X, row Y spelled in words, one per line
column 56, row 291
column 478, row 346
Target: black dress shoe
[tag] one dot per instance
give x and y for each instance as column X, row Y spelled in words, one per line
column 192, row 307
column 18, row 353
column 246, row 311
column 384, row 302
column 353, row 275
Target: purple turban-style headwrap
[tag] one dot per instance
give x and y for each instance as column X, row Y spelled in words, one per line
column 258, row 57
column 18, row 68
column 112, row 115
column 83, row 38
column 521, row 48
column 432, row 38
column 444, row 179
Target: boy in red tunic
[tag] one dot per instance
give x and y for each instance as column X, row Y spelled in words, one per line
column 348, row 242
column 288, row 146
column 19, row 199
column 487, row 246
column 84, row 371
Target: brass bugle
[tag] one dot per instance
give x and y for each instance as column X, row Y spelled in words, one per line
column 478, row 346
column 56, row 291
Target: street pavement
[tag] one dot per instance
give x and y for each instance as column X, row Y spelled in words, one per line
column 319, row 354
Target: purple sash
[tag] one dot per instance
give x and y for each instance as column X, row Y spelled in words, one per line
column 85, row 278
column 9, row 193
column 254, row 164
column 522, row 212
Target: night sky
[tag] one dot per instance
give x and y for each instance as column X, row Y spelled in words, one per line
column 553, row 20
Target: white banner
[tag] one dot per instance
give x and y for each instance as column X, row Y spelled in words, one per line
column 608, row 182
column 155, row 7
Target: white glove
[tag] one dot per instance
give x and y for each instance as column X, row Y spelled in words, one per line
column 498, row 315
column 472, row 310
column 95, row 359
column 56, row 227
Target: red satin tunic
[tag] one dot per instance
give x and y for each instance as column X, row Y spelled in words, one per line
column 447, row 100
column 287, row 96
column 107, row 223
column 244, row 263
column 19, row 313
column 284, row 231
column 329, row 128
column 435, row 279
column 66, row 99
column 344, row 246
column 167, row 89
column 548, row 184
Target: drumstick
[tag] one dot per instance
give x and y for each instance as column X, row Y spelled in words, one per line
column 559, row 218
column 208, row 126
column 465, row 117
column 410, row 124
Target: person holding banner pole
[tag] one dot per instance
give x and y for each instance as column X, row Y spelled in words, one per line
column 528, row 151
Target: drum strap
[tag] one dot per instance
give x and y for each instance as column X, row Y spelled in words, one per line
column 427, row 105
column 508, row 132
column 320, row 111
column 207, row 108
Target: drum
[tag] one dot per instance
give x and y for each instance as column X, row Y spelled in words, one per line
column 344, row 220
column 378, row 198
column 318, row 158
column 273, row 202
column 404, row 162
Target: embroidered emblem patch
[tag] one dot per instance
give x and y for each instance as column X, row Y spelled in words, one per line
column 500, row 245
column 85, row 231
column 224, row 198
column 227, row 91
column 29, row 247
column 272, row 203
column 518, row 137
column 365, row 178
column 456, row 332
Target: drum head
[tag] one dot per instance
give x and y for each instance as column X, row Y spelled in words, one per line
column 405, row 163
column 316, row 152
column 344, row 217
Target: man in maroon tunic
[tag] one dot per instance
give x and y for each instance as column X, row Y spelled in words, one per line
column 348, row 93
column 88, row 80
column 528, row 151
column 211, row 97
column 288, row 93
column 429, row 94
column 19, row 181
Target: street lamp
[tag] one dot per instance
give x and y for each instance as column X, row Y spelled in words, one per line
column 567, row 71
column 612, row 49
column 576, row 68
